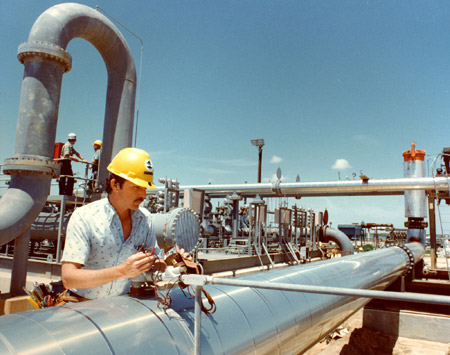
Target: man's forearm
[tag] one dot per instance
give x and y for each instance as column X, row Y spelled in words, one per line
column 86, row 278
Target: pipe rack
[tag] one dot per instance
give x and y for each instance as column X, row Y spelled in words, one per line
column 326, row 188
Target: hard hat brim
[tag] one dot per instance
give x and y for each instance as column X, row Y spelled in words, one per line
column 139, row 182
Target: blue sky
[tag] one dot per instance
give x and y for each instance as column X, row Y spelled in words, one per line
column 318, row 80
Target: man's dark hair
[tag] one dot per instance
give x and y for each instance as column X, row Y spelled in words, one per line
column 118, row 179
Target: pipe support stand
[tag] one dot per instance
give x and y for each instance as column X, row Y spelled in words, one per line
column 198, row 320
column 31, row 165
column 45, row 50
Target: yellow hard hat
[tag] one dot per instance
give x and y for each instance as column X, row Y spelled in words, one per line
column 98, row 142
column 134, row 165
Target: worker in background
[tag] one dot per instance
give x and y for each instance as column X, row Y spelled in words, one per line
column 94, row 164
column 68, row 154
column 106, row 240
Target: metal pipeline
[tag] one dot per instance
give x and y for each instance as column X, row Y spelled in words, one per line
column 46, row 60
column 247, row 320
column 327, row 188
column 340, row 238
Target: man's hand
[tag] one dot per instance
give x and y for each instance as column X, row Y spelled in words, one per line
column 138, row 263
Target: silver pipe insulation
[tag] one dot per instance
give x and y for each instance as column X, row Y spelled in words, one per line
column 327, row 188
column 247, row 320
column 46, row 60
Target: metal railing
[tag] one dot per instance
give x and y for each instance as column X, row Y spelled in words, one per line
column 198, row 281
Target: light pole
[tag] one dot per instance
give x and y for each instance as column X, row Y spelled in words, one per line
column 258, row 143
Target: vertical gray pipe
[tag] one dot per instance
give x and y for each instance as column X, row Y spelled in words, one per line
column 19, row 273
column 46, row 60
column 415, row 201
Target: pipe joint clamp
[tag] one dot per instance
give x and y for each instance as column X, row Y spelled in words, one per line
column 45, row 50
column 276, row 188
column 31, row 165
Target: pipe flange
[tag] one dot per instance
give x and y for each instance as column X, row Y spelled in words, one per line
column 31, row 166
column 408, row 252
column 45, row 50
column 180, row 226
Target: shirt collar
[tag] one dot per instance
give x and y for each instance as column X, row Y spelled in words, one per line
column 111, row 212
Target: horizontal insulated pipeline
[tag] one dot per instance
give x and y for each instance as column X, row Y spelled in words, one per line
column 247, row 320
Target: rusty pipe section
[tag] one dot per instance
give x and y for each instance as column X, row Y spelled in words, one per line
column 247, row 320
column 46, row 60
column 324, row 188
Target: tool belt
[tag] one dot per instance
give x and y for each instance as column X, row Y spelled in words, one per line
column 69, row 296
column 43, row 296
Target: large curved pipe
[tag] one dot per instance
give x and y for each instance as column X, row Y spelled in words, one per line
column 45, row 59
column 247, row 320
column 340, row 238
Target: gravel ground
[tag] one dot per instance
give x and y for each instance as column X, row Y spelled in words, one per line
column 356, row 340
column 352, row 339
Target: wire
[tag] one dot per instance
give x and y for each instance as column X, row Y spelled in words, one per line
column 140, row 69
column 165, row 299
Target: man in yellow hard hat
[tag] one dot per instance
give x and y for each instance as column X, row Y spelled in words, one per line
column 104, row 239
column 92, row 184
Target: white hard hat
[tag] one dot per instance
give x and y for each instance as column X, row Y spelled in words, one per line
column 71, row 136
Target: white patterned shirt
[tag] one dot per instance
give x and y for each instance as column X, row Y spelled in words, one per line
column 94, row 238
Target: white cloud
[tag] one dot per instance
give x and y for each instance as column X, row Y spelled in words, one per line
column 341, row 164
column 276, row 160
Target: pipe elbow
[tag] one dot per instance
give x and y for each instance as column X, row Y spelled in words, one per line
column 61, row 23
column 27, row 195
column 340, row 239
